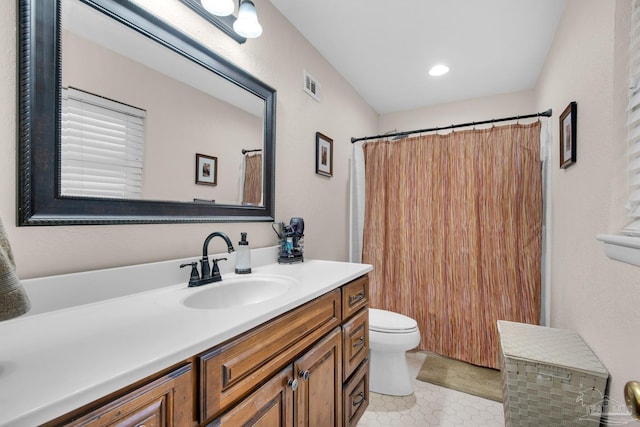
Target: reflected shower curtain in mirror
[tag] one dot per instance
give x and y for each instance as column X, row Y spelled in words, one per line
column 252, row 179
column 453, row 228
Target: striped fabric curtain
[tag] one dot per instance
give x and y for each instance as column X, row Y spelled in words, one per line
column 453, row 228
column 252, row 191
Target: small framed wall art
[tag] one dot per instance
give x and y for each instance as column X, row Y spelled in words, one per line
column 206, row 169
column 324, row 155
column 568, row 135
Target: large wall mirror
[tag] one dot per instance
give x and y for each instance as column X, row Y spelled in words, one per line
column 124, row 119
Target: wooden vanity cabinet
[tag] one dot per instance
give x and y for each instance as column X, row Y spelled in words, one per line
column 166, row 401
column 355, row 359
column 230, row 371
column 328, row 377
column 305, row 393
column 306, row 368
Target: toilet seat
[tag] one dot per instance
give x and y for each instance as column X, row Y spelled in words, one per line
column 389, row 322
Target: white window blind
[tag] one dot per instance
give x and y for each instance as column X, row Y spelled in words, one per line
column 633, row 202
column 102, row 147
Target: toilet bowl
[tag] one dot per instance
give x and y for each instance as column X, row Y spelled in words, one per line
column 390, row 336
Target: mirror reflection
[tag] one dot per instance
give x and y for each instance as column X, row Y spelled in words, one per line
column 136, row 115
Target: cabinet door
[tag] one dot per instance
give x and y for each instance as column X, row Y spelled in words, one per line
column 271, row 405
column 319, row 394
column 165, row 402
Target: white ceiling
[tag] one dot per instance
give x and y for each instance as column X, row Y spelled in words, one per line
column 384, row 48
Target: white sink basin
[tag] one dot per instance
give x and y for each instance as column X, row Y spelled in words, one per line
column 238, row 291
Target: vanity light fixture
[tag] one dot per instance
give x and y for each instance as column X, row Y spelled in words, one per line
column 219, row 7
column 220, row 14
column 438, row 70
column 247, row 24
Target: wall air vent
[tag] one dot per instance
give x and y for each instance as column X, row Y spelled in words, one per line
column 312, row 87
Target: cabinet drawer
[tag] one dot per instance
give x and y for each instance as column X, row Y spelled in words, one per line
column 355, row 295
column 271, row 405
column 231, row 370
column 166, row 401
column 356, row 395
column 355, row 344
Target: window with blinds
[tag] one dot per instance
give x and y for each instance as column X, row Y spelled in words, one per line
column 633, row 202
column 102, row 147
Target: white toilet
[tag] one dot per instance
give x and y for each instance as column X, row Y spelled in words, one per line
column 390, row 336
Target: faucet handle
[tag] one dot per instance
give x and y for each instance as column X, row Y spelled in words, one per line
column 215, row 271
column 195, row 276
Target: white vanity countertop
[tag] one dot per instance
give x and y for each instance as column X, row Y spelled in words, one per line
column 55, row 362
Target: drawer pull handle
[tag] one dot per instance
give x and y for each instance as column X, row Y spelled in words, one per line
column 359, row 342
column 360, row 400
column 305, row 375
column 293, row 383
column 357, row 297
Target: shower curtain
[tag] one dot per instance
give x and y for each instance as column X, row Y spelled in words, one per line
column 453, row 227
column 251, row 179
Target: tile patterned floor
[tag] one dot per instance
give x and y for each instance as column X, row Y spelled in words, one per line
column 431, row 405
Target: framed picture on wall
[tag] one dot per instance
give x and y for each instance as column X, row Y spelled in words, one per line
column 324, row 155
column 568, row 140
column 206, row 169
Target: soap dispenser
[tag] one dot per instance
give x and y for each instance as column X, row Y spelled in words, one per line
column 243, row 256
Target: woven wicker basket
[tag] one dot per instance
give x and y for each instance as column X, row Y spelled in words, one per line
column 550, row 377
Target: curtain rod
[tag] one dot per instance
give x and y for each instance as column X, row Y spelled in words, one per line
column 250, row 151
column 409, row 132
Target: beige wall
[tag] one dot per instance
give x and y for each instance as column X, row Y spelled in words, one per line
column 590, row 293
column 479, row 109
column 180, row 121
column 278, row 58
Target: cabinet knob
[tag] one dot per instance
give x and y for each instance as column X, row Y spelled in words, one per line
column 304, row 374
column 293, row 383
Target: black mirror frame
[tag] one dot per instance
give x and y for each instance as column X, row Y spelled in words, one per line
column 39, row 77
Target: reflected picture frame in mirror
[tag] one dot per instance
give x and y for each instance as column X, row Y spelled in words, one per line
column 40, row 69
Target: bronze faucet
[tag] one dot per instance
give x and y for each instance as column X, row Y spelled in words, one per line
column 208, row 275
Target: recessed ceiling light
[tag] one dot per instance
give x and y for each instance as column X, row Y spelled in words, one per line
column 438, row 70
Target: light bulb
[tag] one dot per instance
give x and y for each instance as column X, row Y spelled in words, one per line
column 438, row 70
column 247, row 24
column 219, row 7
